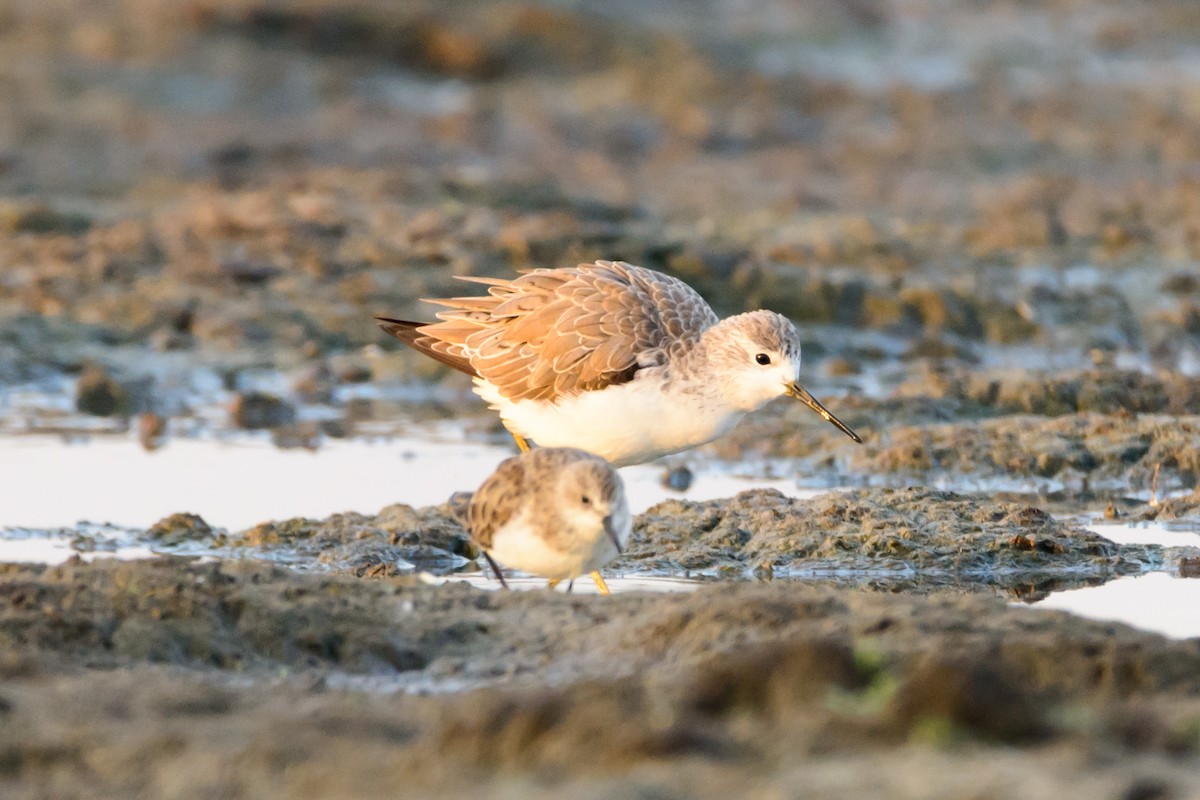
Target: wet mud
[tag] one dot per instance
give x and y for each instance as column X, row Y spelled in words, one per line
column 918, row 537
column 1124, row 452
column 914, row 531
column 176, row 679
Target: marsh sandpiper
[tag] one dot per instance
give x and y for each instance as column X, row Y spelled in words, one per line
column 618, row 360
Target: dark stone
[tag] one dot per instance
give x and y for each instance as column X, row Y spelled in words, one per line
column 98, row 393
column 259, row 410
column 678, row 479
column 179, row 528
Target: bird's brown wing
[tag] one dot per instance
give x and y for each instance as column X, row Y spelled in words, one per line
column 556, row 332
column 496, row 501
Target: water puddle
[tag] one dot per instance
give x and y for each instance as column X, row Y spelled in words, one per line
column 1172, row 533
column 1157, row 602
column 23, row 546
column 617, row 584
column 238, row 482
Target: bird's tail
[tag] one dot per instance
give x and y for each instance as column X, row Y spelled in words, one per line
column 410, row 333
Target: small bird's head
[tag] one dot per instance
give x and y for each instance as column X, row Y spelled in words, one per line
column 593, row 499
column 762, row 350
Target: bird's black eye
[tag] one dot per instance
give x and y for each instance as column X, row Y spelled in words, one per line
column 763, row 359
column 585, row 500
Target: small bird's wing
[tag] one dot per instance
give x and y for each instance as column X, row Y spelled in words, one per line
column 496, row 501
column 557, row 332
column 409, row 333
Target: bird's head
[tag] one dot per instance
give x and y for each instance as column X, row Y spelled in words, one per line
column 759, row 353
column 593, row 499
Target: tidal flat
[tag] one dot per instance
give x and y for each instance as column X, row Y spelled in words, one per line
column 231, row 559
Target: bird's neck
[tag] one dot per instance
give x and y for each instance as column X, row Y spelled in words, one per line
column 693, row 368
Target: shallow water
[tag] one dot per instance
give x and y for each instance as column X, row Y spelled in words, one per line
column 1172, row 533
column 238, row 482
column 1157, row 602
column 616, row 584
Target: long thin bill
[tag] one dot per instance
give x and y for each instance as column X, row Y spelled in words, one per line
column 800, row 393
column 612, row 534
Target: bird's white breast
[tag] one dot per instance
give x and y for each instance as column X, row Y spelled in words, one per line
column 627, row 423
column 520, row 544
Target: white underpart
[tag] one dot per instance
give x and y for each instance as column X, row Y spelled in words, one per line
column 519, row 545
column 628, row 423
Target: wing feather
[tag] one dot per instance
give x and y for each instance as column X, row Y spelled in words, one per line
column 496, row 501
column 483, row 279
column 555, row 332
column 409, row 333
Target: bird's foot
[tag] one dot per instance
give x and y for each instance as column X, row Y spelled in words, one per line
column 601, row 586
column 496, row 569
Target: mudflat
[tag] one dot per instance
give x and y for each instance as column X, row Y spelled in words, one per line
column 981, row 216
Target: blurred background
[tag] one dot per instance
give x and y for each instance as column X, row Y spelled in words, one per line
column 202, row 203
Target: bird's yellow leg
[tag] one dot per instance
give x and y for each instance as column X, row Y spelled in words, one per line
column 551, row 584
column 521, row 443
column 601, row 586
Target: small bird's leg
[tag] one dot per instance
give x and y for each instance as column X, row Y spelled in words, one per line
column 495, row 569
column 551, row 584
column 570, row 585
column 601, row 586
column 522, row 445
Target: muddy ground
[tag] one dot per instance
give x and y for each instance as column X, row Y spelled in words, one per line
column 171, row 678
column 321, row 658
column 984, row 218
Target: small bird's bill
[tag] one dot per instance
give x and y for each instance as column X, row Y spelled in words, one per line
column 800, row 393
column 612, row 534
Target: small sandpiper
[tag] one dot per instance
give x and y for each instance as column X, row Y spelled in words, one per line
column 557, row 512
column 618, row 360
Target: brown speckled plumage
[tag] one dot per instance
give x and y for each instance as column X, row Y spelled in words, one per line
column 553, row 332
column 497, row 500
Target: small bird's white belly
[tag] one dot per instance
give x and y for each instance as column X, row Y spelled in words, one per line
column 519, row 546
column 626, row 424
